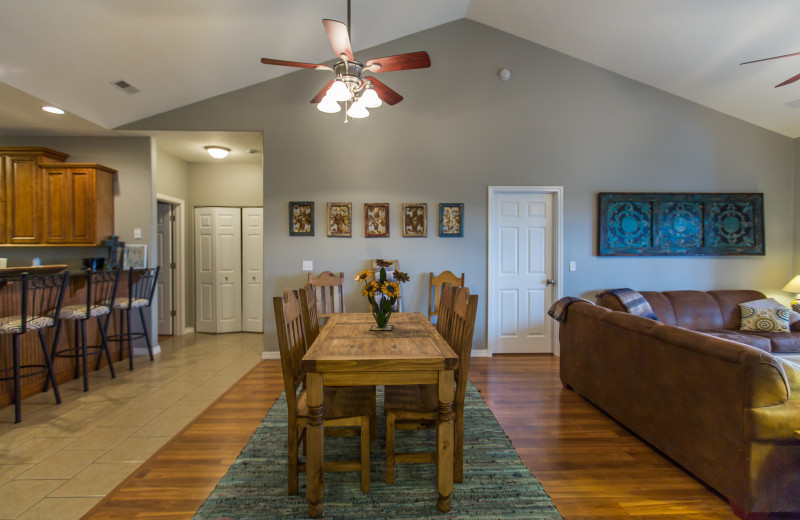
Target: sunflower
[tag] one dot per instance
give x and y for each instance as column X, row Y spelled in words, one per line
column 391, row 289
column 400, row 276
column 369, row 289
column 364, row 276
column 383, row 263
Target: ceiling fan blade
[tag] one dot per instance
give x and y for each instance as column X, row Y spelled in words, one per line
column 340, row 40
column 387, row 95
column 788, row 81
column 772, row 58
column 411, row 60
column 316, row 99
column 300, row 64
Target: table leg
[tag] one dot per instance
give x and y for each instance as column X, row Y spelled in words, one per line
column 314, row 445
column 444, row 441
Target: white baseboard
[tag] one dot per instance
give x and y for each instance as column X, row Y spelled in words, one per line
column 188, row 330
column 142, row 351
column 271, row 355
column 481, row 352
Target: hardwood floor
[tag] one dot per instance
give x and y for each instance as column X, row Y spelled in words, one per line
column 591, row 467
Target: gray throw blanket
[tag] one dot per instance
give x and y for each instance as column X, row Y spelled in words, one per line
column 558, row 311
column 633, row 302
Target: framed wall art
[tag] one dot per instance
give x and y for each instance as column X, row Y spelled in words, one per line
column 135, row 256
column 301, row 219
column 415, row 219
column 668, row 224
column 340, row 219
column 376, row 220
column 451, row 219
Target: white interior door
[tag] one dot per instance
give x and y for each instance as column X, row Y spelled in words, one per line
column 228, row 273
column 164, row 292
column 522, row 271
column 252, row 269
column 205, row 268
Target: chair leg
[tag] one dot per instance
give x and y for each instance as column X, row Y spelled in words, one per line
column 121, row 333
column 104, row 348
column 83, row 357
column 293, row 478
column 373, row 418
column 390, row 418
column 146, row 334
column 458, row 451
column 51, row 376
column 53, row 353
column 129, row 335
column 17, row 397
column 105, row 325
column 365, row 429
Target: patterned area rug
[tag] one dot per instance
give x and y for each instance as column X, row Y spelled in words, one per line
column 496, row 484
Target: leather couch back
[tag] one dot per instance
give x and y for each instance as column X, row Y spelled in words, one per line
column 696, row 310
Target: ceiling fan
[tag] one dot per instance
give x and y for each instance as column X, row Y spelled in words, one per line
column 788, row 81
column 350, row 84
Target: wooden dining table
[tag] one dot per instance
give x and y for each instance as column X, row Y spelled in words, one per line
column 348, row 353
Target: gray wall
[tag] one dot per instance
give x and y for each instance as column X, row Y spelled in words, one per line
column 226, row 184
column 559, row 121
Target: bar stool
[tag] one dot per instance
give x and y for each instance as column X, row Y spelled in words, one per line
column 101, row 288
column 141, row 288
column 40, row 298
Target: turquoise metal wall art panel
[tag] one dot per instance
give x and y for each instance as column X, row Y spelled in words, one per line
column 641, row 224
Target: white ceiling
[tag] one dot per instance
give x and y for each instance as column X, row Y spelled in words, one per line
column 180, row 51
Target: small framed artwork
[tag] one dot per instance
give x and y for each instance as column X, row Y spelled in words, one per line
column 451, row 219
column 340, row 219
column 301, row 219
column 376, row 220
column 415, row 219
column 135, row 256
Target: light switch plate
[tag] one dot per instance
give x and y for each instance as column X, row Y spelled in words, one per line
column 573, row 266
column 308, row 265
column 137, row 232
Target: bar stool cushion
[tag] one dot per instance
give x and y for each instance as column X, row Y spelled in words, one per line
column 13, row 324
column 78, row 312
column 122, row 303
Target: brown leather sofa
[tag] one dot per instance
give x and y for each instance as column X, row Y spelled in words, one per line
column 715, row 313
column 723, row 410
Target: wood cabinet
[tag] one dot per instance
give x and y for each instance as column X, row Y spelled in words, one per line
column 44, row 200
column 78, row 202
column 21, row 202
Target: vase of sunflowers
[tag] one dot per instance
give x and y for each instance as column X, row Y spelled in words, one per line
column 381, row 293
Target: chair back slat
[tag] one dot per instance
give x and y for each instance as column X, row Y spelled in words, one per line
column 445, row 310
column 41, row 296
column 142, row 284
column 291, row 342
column 462, row 328
column 329, row 292
column 101, row 288
column 435, row 289
column 308, row 308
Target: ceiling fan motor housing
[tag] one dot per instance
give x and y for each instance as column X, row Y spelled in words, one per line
column 349, row 72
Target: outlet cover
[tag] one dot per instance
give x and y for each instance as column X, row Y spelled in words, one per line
column 308, row 265
column 137, row 232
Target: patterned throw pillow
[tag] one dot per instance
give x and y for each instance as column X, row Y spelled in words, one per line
column 772, row 303
column 764, row 320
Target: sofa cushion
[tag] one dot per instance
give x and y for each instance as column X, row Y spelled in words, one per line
column 754, row 340
column 785, row 342
column 764, row 320
column 728, row 302
column 695, row 310
column 661, row 307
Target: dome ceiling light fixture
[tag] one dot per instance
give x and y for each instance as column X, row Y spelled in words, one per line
column 53, row 110
column 218, row 152
column 350, row 86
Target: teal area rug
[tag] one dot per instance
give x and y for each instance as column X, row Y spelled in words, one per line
column 496, row 484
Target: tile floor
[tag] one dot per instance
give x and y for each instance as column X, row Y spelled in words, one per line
column 61, row 460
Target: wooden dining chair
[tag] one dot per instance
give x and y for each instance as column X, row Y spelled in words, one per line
column 414, row 407
column 435, row 289
column 329, row 293
column 308, row 308
column 445, row 310
column 346, row 410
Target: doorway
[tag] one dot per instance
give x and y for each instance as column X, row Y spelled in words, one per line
column 524, row 268
column 171, row 252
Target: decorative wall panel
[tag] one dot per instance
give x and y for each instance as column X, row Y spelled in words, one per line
column 637, row 224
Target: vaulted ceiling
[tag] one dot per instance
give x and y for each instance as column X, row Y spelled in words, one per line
column 176, row 52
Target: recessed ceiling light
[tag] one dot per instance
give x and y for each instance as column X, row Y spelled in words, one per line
column 218, row 152
column 53, row 110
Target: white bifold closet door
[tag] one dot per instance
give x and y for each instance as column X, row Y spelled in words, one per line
column 222, row 258
column 252, row 269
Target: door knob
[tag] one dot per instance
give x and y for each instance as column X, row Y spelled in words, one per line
column 550, row 281
column 226, row 278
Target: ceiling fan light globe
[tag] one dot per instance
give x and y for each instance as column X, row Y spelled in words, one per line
column 370, row 99
column 339, row 91
column 328, row 105
column 357, row 110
